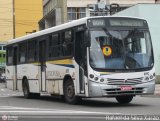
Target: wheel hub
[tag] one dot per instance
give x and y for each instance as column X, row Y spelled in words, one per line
column 70, row 91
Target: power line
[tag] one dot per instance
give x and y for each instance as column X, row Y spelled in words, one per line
column 23, row 9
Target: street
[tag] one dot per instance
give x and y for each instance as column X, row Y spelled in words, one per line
column 15, row 107
column 61, row 51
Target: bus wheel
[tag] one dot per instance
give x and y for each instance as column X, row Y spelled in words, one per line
column 69, row 92
column 26, row 92
column 124, row 99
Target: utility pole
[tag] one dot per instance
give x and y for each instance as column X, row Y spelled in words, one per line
column 14, row 28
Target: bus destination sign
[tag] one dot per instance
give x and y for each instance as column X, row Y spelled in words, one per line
column 126, row 22
column 96, row 22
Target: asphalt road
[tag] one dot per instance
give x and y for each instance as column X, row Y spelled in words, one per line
column 14, row 107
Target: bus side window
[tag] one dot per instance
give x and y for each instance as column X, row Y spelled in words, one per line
column 9, row 56
column 22, row 53
column 54, row 46
column 67, row 43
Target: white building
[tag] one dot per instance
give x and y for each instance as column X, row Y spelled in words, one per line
column 150, row 13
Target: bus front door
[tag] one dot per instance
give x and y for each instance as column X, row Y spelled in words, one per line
column 42, row 59
column 80, row 57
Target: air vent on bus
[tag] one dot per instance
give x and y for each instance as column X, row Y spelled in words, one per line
column 118, row 91
column 132, row 81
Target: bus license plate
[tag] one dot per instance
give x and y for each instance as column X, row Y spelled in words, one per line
column 126, row 88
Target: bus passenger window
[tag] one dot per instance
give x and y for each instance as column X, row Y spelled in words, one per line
column 32, row 53
column 67, row 44
column 9, row 56
column 22, row 53
column 54, row 46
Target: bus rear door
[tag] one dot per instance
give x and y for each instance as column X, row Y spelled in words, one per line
column 42, row 59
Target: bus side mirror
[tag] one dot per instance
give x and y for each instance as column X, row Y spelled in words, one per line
column 87, row 42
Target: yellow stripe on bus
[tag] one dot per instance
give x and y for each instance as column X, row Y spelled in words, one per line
column 65, row 61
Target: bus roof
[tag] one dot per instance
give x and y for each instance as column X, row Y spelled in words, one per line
column 59, row 27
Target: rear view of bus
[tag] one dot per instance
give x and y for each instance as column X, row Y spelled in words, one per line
column 121, row 62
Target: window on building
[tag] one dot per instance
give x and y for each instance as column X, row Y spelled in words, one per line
column 76, row 13
column 0, row 47
column 4, row 55
column 82, row 12
column 50, row 5
column 4, row 47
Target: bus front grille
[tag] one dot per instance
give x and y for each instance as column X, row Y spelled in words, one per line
column 118, row 91
column 132, row 81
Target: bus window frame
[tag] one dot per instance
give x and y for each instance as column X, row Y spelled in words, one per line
column 12, row 53
column 18, row 53
column 60, row 33
column 37, row 49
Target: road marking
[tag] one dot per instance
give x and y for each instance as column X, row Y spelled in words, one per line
column 9, row 95
column 10, row 109
column 29, row 112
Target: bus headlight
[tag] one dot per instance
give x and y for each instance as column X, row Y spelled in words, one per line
column 101, row 80
column 154, row 74
column 96, row 78
column 91, row 76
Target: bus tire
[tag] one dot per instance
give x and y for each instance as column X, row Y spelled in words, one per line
column 26, row 91
column 69, row 92
column 124, row 99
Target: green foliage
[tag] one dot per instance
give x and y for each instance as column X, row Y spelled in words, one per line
column 2, row 59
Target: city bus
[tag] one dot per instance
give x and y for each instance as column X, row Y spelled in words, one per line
column 87, row 58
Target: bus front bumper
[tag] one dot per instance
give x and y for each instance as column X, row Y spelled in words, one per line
column 104, row 90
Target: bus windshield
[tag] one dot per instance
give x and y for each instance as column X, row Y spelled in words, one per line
column 121, row 49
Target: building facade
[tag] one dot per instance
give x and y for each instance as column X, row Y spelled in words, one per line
column 17, row 18
column 2, row 57
column 6, row 29
column 6, row 20
column 157, row 1
column 56, row 12
column 27, row 14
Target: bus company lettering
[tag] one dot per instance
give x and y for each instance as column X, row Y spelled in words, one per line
column 53, row 74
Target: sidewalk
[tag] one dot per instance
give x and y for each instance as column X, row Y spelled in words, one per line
column 157, row 90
